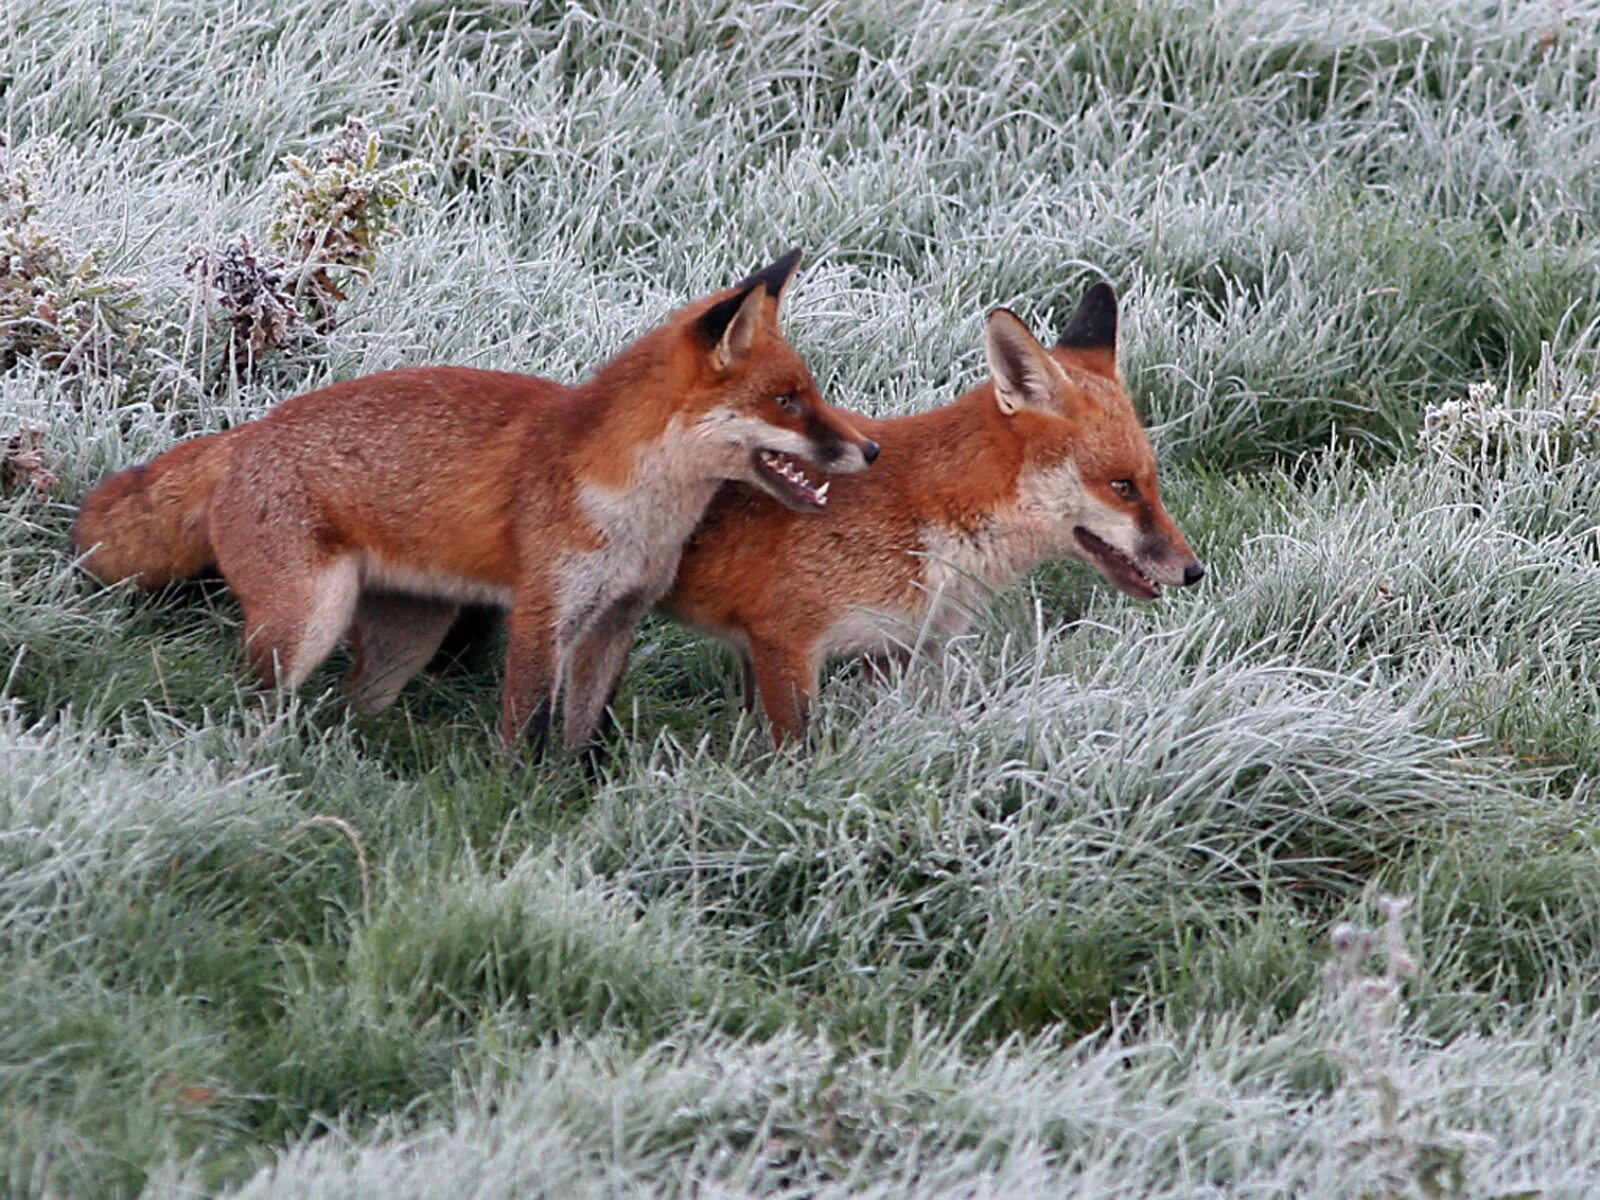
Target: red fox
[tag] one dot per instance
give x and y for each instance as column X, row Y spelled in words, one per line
column 1048, row 459
column 378, row 506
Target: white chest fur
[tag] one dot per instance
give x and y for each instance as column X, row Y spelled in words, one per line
column 964, row 568
column 644, row 524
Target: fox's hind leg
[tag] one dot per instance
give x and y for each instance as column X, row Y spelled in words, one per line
column 297, row 591
column 294, row 619
column 394, row 637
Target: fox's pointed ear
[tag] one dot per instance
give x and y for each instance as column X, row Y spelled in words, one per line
column 776, row 277
column 1091, row 334
column 729, row 326
column 1025, row 376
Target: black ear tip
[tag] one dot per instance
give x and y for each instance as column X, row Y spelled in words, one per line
column 1094, row 325
column 775, row 276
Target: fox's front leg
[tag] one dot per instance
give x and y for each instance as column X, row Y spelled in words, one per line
column 594, row 669
column 530, row 666
column 786, row 679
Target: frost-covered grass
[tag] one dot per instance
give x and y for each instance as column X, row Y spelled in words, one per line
column 1051, row 918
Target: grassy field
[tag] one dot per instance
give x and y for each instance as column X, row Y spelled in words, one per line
column 1106, row 905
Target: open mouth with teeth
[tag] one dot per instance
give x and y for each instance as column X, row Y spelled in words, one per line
column 1117, row 566
column 784, row 476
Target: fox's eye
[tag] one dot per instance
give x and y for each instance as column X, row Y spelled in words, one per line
column 1124, row 488
column 789, row 402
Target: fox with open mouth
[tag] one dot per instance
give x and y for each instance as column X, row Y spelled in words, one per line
column 1047, row 459
column 375, row 508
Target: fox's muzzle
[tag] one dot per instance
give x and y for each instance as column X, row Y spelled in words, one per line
column 838, row 444
column 1171, row 562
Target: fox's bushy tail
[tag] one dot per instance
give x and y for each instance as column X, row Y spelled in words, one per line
column 149, row 523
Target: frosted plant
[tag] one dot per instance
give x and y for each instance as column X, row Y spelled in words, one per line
column 1554, row 417
column 330, row 218
column 23, row 462
column 334, row 216
column 57, row 307
column 1400, row 1151
column 253, row 291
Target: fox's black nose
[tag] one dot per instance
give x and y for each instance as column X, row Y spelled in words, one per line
column 869, row 451
column 1193, row 573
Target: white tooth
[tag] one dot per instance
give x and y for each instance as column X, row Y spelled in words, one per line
column 822, row 492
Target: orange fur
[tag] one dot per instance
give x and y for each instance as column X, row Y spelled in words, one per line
column 959, row 505
column 378, row 505
column 150, row 521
